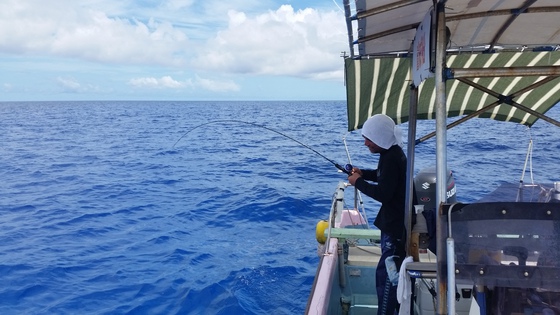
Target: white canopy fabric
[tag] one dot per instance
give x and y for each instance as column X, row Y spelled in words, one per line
column 385, row 26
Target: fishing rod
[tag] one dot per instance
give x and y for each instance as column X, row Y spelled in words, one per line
column 346, row 168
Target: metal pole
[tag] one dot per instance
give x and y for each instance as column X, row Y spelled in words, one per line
column 441, row 155
column 348, row 13
column 413, row 102
column 504, row 72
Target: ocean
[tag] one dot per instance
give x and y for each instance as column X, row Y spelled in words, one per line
column 181, row 208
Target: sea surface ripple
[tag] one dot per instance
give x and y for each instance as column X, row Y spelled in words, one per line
column 104, row 212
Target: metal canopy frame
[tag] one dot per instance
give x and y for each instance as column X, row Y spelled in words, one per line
column 502, row 99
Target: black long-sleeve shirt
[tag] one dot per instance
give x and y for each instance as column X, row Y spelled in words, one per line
column 390, row 190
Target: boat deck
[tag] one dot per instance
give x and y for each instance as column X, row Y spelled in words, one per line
column 367, row 255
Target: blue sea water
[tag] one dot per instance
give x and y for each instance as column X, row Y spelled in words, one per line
column 104, row 212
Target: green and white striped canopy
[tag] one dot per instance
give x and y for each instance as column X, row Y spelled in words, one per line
column 382, row 85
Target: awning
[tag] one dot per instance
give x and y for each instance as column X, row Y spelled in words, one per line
column 482, row 34
column 382, row 85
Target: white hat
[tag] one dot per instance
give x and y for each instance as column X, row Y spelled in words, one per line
column 381, row 130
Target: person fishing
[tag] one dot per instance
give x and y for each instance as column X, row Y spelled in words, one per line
column 383, row 137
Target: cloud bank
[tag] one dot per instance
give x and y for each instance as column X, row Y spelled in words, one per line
column 171, row 45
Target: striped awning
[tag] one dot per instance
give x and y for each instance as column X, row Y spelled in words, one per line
column 382, row 85
column 480, row 34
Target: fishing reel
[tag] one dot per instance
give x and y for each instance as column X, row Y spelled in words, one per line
column 347, row 169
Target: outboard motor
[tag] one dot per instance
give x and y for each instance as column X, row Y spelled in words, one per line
column 425, row 186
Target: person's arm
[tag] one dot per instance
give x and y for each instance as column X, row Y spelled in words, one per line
column 369, row 175
column 387, row 183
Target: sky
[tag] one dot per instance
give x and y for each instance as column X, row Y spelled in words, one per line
column 171, row 50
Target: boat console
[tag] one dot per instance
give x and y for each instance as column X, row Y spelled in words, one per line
column 508, row 247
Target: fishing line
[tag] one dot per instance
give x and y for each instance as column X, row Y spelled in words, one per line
column 346, row 169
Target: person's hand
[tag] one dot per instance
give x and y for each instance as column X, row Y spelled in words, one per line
column 356, row 173
column 357, row 170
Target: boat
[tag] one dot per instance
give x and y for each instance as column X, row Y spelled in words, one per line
column 434, row 59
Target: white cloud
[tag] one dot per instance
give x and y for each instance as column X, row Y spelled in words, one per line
column 71, row 85
column 107, row 42
column 167, row 82
column 7, row 87
column 282, row 42
column 216, row 85
column 65, row 29
column 161, row 83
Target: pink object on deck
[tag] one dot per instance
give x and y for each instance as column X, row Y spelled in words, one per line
column 349, row 218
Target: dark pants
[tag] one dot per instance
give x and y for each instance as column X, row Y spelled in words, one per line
column 387, row 291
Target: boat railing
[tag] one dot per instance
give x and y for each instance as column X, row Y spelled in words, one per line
column 340, row 217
